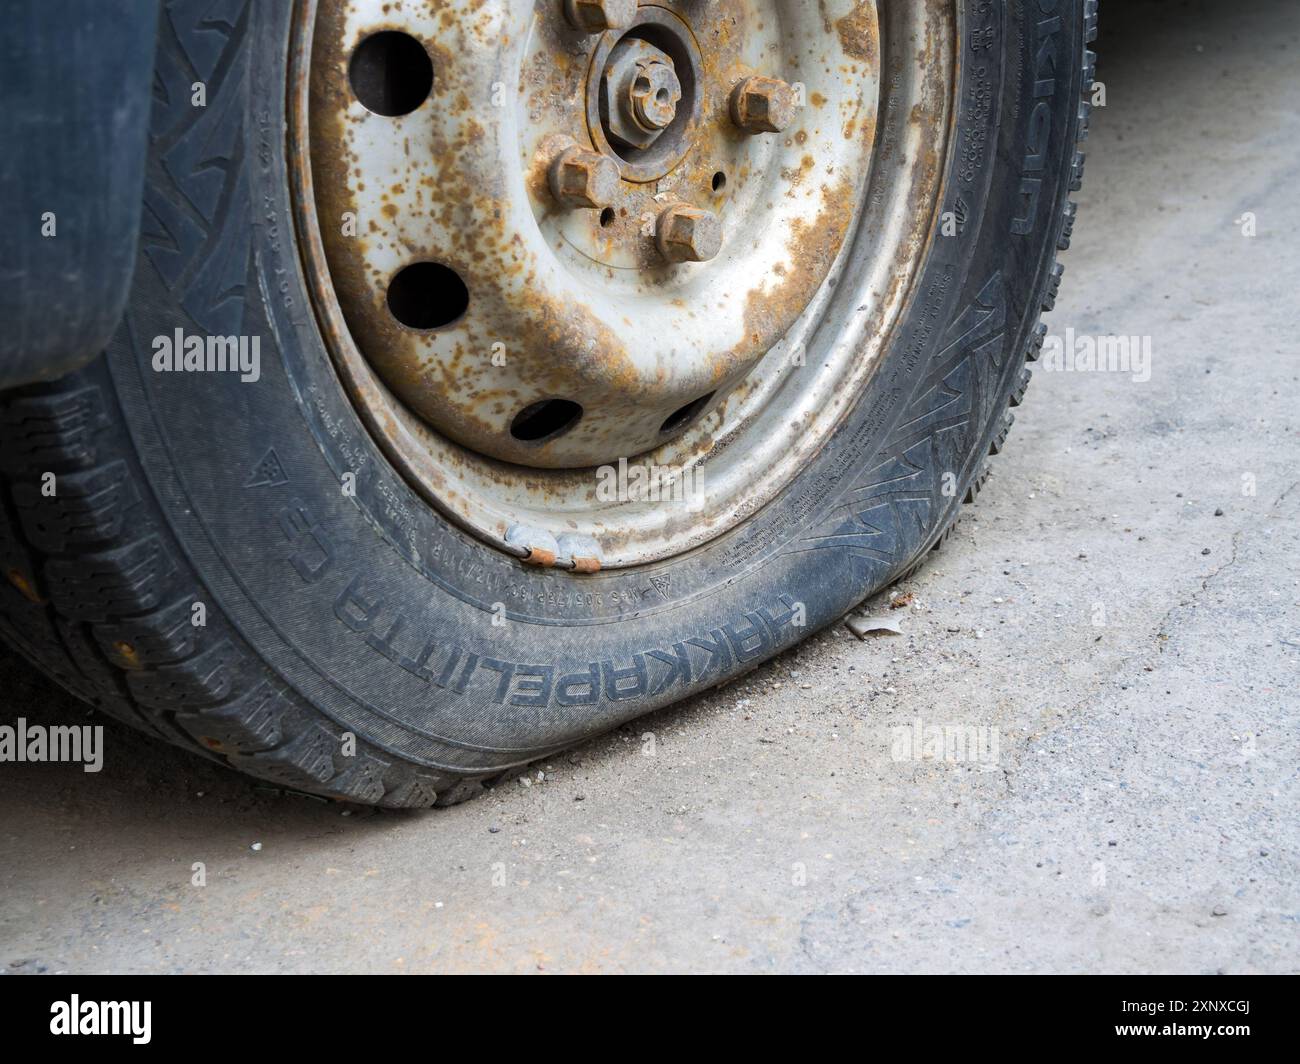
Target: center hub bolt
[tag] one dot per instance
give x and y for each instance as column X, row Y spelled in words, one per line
column 654, row 95
column 641, row 93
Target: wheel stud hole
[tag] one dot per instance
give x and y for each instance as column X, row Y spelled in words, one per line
column 427, row 295
column 719, row 181
column 545, row 420
column 607, row 217
column 679, row 419
column 391, row 73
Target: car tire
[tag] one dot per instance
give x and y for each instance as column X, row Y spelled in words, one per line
column 179, row 552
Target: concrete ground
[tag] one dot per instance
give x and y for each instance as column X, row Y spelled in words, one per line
column 1121, row 606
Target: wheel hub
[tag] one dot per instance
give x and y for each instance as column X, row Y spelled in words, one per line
column 600, row 231
column 577, row 235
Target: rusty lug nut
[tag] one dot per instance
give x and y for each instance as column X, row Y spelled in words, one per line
column 688, row 234
column 581, row 178
column 597, row 16
column 762, row 105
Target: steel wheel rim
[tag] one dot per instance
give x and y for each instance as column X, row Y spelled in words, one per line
column 747, row 438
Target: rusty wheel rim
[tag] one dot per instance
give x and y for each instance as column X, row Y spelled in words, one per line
column 596, row 368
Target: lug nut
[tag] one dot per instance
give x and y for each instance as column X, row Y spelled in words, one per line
column 762, row 105
column 597, row 16
column 688, row 234
column 581, row 178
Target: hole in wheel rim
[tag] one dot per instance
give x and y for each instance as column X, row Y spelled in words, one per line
column 679, row 419
column 391, row 73
column 427, row 295
column 545, row 420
